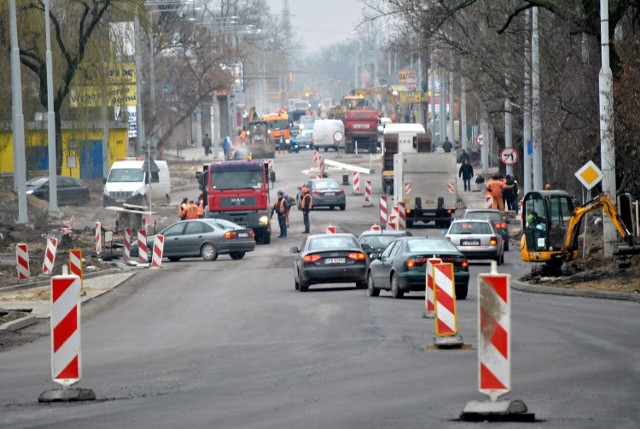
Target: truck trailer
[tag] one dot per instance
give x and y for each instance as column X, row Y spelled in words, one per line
column 426, row 183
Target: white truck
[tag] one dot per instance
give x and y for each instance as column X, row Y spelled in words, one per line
column 427, row 184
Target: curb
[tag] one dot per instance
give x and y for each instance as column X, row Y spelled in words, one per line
column 18, row 324
column 620, row 296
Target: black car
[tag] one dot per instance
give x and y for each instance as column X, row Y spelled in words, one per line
column 325, row 193
column 374, row 242
column 70, row 191
column 401, row 267
column 329, row 258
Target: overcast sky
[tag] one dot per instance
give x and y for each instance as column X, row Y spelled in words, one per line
column 320, row 23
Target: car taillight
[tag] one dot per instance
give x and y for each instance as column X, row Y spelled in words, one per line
column 493, row 240
column 464, row 264
column 501, row 225
column 316, row 192
column 408, row 211
column 340, row 191
column 230, row 234
column 358, row 256
column 252, row 234
column 416, row 262
column 311, row 258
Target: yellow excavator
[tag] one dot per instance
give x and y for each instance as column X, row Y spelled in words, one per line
column 551, row 227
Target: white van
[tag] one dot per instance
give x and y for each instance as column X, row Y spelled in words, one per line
column 406, row 133
column 328, row 134
column 128, row 183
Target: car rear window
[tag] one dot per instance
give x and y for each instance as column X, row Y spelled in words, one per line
column 470, row 228
column 327, row 185
column 427, row 246
column 332, row 243
column 377, row 241
column 484, row 215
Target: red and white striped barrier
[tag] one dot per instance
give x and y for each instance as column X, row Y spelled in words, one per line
column 429, row 302
column 98, row 238
column 356, row 182
column 143, row 251
column 392, row 222
column 402, row 216
column 494, row 334
column 446, row 321
column 50, row 255
column 270, row 164
column 367, row 193
column 316, row 159
column 127, row 244
column 331, row 229
column 488, row 202
column 376, row 227
column 22, row 261
column 451, row 188
column 320, row 174
column 158, row 249
column 383, row 209
column 75, row 264
column 65, row 330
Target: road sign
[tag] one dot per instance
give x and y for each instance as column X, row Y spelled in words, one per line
column 509, row 156
column 589, row 175
column 480, row 140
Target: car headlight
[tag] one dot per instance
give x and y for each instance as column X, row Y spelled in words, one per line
column 263, row 220
column 29, row 191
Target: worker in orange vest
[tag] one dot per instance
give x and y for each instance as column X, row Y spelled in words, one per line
column 306, row 204
column 191, row 210
column 200, row 204
column 181, row 210
column 495, row 187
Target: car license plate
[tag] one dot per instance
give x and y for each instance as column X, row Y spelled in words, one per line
column 330, row 194
column 243, row 234
column 334, row 261
column 469, row 242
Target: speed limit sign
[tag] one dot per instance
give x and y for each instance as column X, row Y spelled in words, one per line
column 480, row 140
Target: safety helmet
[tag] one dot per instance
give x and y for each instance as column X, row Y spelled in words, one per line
column 304, row 190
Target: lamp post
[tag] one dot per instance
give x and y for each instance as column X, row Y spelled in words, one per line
column 51, row 117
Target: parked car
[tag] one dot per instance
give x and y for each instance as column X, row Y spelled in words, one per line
column 373, row 242
column 325, row 193
column 401, row 267
column 494, row 216
column 477, row 239
column 207, row 238
column 70, row 191
column 329, row 258
column 304, row 139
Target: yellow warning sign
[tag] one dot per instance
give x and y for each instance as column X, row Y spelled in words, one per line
column 589, row 175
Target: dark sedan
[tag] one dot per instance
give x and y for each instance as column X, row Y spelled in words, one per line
column 329, row 258
column 374, row 242
column 70, row 191
column 325, row 193
column 401, row 267
column 206, row 238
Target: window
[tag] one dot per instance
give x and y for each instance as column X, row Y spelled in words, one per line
column 387, row 252
column 244, row 179
column 174, row 230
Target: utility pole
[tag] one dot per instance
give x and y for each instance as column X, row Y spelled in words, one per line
column 463, row 115
column 536, row 123
column 526, row 156
column 51, row 120
column 138, row 62
column 508, row 127
column 607, row 146
column 19, row 161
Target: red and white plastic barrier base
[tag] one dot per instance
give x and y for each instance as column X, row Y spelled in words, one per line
column 376, row 227
column 22, row 261
column 50, row 256
column 446, row 321
column 488, row 202
column 331, row 229
column 158, row 249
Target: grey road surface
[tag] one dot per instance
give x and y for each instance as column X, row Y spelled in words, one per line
column 231, row 344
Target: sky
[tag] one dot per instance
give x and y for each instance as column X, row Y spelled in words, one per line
column 320, row 23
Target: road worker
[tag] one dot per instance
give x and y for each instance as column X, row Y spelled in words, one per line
column 191, row 210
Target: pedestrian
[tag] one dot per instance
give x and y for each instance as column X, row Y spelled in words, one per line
column 206, row 142
column 464, row 155
column 200, row 204
column 182, row 209
column 226, row 147
column 447, row 145
column 495, row 187
column 191, row 211
column 466, row 172
column 288, row 199
column 280, row 207
column 306, row 204
column 510, row 193
column 281, row 143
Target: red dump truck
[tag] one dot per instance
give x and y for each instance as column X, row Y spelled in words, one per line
column 238, row 191
column 361, row 130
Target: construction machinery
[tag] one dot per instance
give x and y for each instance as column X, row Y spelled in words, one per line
column 551, row 227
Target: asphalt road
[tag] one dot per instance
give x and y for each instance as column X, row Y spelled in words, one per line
column 231, row 344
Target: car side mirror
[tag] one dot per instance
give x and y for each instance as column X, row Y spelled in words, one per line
column 294, row 249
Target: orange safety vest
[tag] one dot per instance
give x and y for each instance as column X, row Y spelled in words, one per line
column 201, row 209
column 192, row 211
column 308, row 205
column 280, row 207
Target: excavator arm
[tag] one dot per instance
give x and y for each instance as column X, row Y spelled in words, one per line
column 599, row 202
